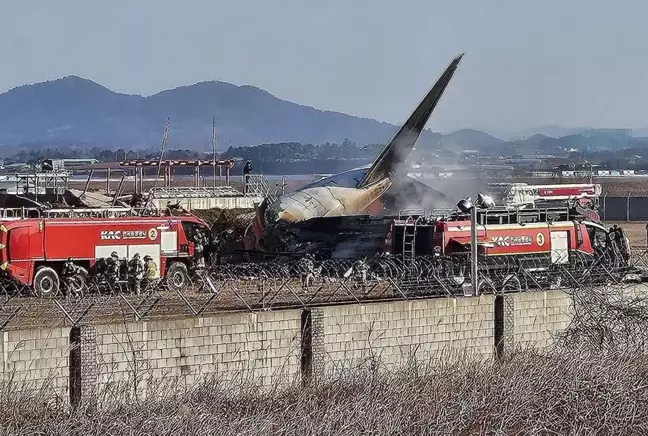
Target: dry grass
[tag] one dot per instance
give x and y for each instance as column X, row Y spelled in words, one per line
column 594, row 382
column 566, row 393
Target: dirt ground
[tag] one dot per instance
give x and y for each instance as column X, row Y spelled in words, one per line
column 635, row 230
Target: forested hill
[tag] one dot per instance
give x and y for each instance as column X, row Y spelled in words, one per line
column 76, row 110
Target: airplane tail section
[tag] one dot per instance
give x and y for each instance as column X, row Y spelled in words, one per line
column 403, row 141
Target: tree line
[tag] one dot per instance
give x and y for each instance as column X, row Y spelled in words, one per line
column 284, row 152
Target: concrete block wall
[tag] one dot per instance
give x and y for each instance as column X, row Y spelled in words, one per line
column 395, row 333
column 269, row 347
column 534, row 318
column 262, row 348
column 35, row 359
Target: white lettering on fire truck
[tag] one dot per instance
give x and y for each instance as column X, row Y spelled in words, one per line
column 508, row 241
column 134, row 234
column 110, row 235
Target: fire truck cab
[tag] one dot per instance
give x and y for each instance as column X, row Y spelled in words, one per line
column 33, row 250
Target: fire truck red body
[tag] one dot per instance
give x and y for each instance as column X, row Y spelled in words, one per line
column 33, row 251
column 539, row 226
column 512, row 246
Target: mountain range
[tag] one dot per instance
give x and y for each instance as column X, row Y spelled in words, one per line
column 73, row 110
column 77, row 110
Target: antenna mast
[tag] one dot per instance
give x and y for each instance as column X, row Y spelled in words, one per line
column 214, row 153
column 164, row 143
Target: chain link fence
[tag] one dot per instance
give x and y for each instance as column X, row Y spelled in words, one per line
column 624, row 208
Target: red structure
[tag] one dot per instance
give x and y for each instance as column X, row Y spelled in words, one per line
column 167, row 165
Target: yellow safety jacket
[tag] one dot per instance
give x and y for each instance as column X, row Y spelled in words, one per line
column 151, row 270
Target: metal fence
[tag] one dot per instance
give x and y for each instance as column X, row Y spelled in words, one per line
column 286, row 284
column 624, row 208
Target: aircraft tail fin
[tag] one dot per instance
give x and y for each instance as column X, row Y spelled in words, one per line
column 403, row 141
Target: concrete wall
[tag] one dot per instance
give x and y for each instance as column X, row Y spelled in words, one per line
column 34, row 359
column 396, row 333
column 534, row 318
column 261, row 348
column 279, row 346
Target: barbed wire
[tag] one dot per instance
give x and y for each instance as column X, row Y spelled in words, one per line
column 296, row 283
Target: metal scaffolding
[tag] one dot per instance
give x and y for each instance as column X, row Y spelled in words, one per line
column 39, row 183
column 168, row 165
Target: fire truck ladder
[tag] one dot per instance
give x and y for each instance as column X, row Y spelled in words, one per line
column 409, row 230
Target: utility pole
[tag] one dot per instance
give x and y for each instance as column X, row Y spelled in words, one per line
column 164, row 143
column 473, row 251
column 214, row 153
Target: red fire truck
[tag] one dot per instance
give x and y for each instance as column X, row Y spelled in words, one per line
column 511, row 239
column 33, row 250
column 540, row 235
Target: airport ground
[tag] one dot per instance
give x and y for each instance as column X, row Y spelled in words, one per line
column 636, row 231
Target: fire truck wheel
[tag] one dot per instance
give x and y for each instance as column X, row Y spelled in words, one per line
column 46, row 281
column 177, row 276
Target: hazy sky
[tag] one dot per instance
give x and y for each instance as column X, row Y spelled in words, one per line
column 527, row 63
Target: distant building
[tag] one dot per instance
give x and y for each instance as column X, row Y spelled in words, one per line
column 537, row 156
column 68, row 164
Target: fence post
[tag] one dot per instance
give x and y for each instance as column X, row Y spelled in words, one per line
column 628, row 209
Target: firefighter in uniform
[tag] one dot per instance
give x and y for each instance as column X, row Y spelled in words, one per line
column 306, row 266
column 135, row 273
column 247, row 170
column 113, row 267
column 70, row 273
column 150, row 270
column 362, row 269
column 199, row 247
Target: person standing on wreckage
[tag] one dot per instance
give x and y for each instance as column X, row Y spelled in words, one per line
column 199, row 248
column 361, row 268
column 306, row 267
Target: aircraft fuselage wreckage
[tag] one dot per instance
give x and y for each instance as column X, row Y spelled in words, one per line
column 350, row 193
